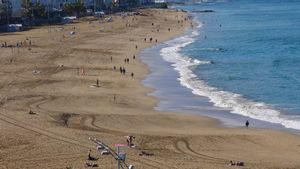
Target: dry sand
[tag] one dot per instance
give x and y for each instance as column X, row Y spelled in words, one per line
column 53, row 79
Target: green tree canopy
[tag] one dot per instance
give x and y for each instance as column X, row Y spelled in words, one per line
column 5, row 12
column 76, row 8
column 33, row 10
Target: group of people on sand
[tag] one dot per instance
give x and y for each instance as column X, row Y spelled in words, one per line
column 122, row 70
column 126, row 60
column 236, row 163
column 24, row 43
column 4, row 45
column 150, row 40
column 127, row 23
column 129, row 140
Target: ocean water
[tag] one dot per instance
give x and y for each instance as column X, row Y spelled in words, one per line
column 244, row 57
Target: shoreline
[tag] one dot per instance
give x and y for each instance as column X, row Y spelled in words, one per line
column 203, row 106
column 64, row 89
column 213, row 55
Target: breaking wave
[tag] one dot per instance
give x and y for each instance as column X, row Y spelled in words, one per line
column 236, row 102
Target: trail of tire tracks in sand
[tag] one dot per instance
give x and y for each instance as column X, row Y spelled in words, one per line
column 50, row 157
column 89, row 121
column 58, row 137
column 189, row 151
column 161, row 164
column 40, row 131
column 86, row 120
column 53, row 135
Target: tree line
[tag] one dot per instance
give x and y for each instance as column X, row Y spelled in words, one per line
column 39, row 10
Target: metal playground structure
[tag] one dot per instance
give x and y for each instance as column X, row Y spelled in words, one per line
column 119, row 157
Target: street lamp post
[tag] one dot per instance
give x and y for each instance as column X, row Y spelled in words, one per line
column 48, row 9
column 7, row 11
column 48, row 13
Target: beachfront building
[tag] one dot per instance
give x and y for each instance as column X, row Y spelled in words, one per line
column 126, row 4
column 154, row 3
column 160, row 1
column 58, row 4
column 146, row 2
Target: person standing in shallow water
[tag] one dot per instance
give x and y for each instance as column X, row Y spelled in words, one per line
column 247, row 124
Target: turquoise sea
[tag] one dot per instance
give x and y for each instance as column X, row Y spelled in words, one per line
column 243, row 58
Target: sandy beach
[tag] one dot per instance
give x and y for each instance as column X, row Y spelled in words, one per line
column 51, row 103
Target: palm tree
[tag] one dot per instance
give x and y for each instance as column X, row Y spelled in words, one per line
column 33, row 10
column 77, row 8
column 5, row 12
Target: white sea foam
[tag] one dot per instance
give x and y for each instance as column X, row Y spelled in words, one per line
column 211, row 49
column 237, row 103
column 208, row 1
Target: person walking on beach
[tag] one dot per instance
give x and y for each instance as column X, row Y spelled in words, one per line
column 82, row 71
column 90, row 157
column 97, row 83
column 124, row 71
column 247, row 124
column 89, row 154
column 129, row 140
